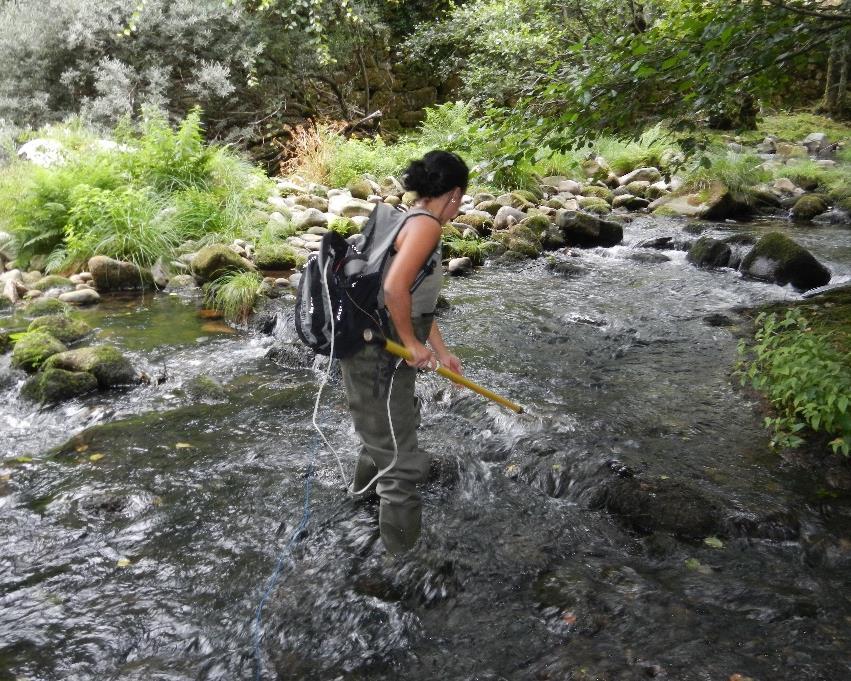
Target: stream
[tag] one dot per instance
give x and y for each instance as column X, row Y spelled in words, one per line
column 139, row 527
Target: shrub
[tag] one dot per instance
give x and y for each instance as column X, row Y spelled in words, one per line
column 652, row 148
column 739, row 173
column 805, row 377
column 233, row 294
column 470, row 248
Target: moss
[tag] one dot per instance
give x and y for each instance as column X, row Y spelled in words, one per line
column 491, row 207
column 359, row 188
column 464, row 248
column 46, row 306
column 213, row 261
column 33, row 349
column 343, row 226
column 105, row 362
column 62, row 327
column 53, row 281
column 5, row 342
column 777, row 258
column 531, row 249
column 450, row 231
column 55, row 385
column 478, row 222
column 277, row 257
column 595, row 206
column 808, row 206
column 593, row 191
column 638, row 188
column 665, row 212
column 538, row 224
column 528, row 195
column 709, row 253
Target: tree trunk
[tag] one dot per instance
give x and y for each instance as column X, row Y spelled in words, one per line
column 828, row 104
column 842, row 87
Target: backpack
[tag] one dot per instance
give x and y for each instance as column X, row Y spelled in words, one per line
column 342, row 281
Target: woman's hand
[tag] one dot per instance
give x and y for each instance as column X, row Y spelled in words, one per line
column 451, row 362
column 422, row 357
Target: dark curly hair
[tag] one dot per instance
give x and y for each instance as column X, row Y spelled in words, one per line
column 436, row 173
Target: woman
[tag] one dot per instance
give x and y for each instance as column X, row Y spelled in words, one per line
column 440, row 179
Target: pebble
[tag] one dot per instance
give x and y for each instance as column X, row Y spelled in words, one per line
column 85, row 296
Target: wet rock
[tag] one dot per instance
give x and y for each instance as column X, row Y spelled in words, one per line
column 215, row 260
column 204, row 387
column 565, row 268
column 630, row 202
column 507, row 216
column 596, row 192
column 62, row 327
column 776, row 258
column 815, row 142
column 33, row 349
column 45, row 306
column 56, row 385
column 460, row 266
column 709, row 253
column 53, row 281
column 718, row 319
column 647, row 258
column 587, row 231
column 648, row 175
column 673, row 506
column 82, row 296
column 481, row 221
column 181, row 282
column 105, row 362
column 808, row 206
column 114, row 275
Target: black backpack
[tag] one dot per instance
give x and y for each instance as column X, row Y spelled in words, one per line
column 342, row 280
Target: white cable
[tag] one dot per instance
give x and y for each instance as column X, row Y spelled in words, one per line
column 327, row 375
column 384, row 471
column 322, row 385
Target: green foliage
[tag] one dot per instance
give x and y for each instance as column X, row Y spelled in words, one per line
column 474, row 249
column 233, row 294
column 343, row 226
column 804, row 376
column 737, row 172
column 134, row 203
column 353, row 157
column 656, row 147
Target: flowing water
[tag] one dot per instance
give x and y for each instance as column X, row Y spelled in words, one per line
column 148, row 562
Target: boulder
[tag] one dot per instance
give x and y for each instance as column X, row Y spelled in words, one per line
column 490, row 206
column 538, row 224
column 506, row 216
column 815, row 142
column 767, row 146
column 33, row 349
column 356, row 207
column 597, row 192
column 569, row 186
column 596, row 168
column 592, row 204
column 56, row 385
column 276, row 257
column 648, row 174
column 43, row 152
column 45, row 306
column 311, row 201
column 786, row 186
column 776, row 258
column 460, row 266
column 588, row 231
column 82, row 296
column 630, row 202
column 786, row 150
column 104, row 362
column 808, row 206
column 565, row 268
column 62, row 327
column 113, row 275
column 637, row 188
column 52, row 281
column 181, row 282
column 215, row 260
column 308, row 218
column 709, row 253
column 359, row 188
column 480, row 221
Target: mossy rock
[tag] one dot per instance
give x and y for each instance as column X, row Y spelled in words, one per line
column 105, row 362
column 665, row 212
column 776, row 258
column 34, row 348
column 638, row 188
column 594, row 205
column 5, row 303
column 808, row 206
column 62, row 327
column 451, row 231
column 844, row 204
column 478, row 222
column 589, row 231
column 204, row 387
column 46, row 306
column 525, row 232
column 55, row 385
column 5, row 342
column 491, row 207
column 311, row 201
column 359, row 188
column 530, row 249
column 215, row 260
column 277, row 257
column 593, row 191
column 528, row 195
column 709, row 253
column 408, row 198
column 538, row 224
column 554, row 203
column 492, row 249
column 53, row 281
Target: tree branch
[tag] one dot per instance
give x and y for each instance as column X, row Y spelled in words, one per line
column 819, row 14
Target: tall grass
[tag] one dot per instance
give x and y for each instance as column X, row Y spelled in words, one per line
column 233, row 294
column 739, row 173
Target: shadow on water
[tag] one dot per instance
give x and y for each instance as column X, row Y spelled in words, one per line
column 632, row 525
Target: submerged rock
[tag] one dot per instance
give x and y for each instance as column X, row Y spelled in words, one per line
column 709, row 253
column 53, row 281
column 45, row 306
column 776, row 258
column 55, row 385
column 107, row 364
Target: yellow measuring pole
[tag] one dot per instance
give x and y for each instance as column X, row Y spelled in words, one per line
column 401, row 351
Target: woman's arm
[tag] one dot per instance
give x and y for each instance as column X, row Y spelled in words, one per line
column 444, row 356
column 414, row 245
